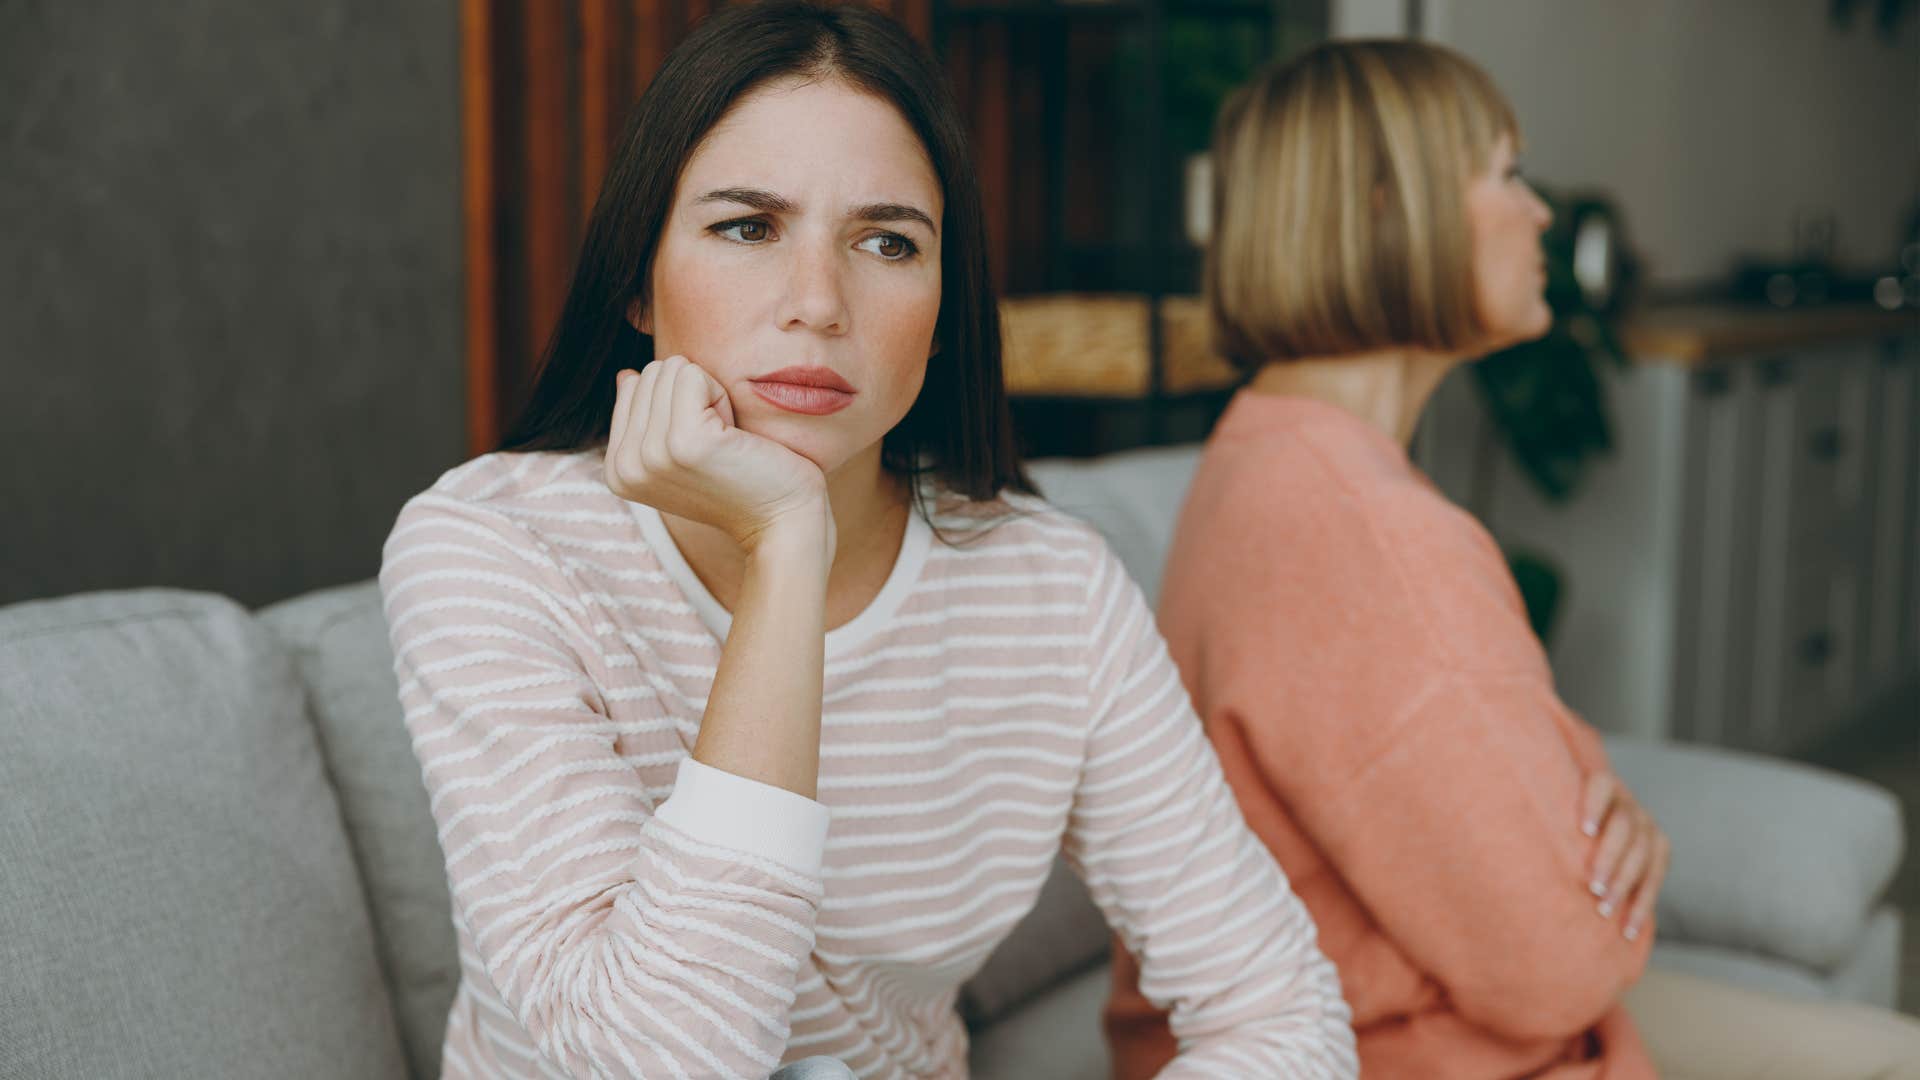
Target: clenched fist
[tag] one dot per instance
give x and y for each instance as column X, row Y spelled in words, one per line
column 673, row 445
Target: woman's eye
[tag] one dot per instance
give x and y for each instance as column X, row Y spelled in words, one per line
column 890, row 246
column 743, row 232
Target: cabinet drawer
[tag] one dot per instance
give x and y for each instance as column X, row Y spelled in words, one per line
column 1714, row 683
column 1818, row 652
column 1821, row 404
column 1813, row 540
column 1894, row 502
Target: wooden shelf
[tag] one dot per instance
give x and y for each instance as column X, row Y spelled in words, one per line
column 1098, row 345
column 1699, row 334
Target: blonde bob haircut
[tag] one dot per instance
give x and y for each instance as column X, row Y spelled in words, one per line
column 1340, row 183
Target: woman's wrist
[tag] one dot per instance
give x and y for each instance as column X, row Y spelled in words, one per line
column 800, row 535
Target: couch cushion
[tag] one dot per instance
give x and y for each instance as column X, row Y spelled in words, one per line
column 1748, row 970
column 1872, row 976
column 1056, row 1036
column 1132, row 498
column 1768, row 856
column 1064, row 935
column 338, row 639
column 177, row 897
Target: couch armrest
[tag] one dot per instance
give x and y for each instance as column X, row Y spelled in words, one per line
column 1768, row 855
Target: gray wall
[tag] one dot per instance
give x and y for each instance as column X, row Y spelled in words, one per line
column 229, row 288
column 1713, row 122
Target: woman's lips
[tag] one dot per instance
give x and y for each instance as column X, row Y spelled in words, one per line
column 813, row 391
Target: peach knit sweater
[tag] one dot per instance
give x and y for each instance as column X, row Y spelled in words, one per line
column 1362, row 661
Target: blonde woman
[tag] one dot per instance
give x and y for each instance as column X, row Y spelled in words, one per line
column 1358, row 651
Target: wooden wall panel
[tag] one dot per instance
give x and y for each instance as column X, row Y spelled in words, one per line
column 603, row 82
column 480, row 212
column 550, row 158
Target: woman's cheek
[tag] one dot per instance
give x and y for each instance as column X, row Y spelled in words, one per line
column 1533, row 316
column 698, row 313
column 907, row 335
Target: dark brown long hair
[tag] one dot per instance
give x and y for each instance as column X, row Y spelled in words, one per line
column 958, row 431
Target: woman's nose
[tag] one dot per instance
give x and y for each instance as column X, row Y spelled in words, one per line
column 815, row 297
column 1542, row 213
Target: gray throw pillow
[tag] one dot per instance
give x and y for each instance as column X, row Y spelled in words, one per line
column 176, row 894
column 1769, row 856
column 338, row 639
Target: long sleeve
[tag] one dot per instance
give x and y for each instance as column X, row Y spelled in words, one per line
column 1463, row 836
column 626, row 938
column 1154, row 831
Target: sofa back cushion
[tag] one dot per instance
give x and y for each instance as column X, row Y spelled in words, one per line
column 338, row 641
column 1133, row 498
column 176, row 893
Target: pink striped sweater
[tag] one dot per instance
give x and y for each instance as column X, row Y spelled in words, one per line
column 623, row 910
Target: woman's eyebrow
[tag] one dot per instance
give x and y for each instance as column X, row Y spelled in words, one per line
column 884, row 212
column 759, row 199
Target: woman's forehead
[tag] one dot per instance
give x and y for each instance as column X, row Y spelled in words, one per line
column 793, row 136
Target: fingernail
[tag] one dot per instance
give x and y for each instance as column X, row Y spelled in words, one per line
column 1597, row 887
column 1606, row 909
column 1633, row 931
column 1591, row 828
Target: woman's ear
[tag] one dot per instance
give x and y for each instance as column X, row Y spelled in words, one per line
column 639, row 317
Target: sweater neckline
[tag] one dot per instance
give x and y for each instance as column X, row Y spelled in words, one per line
column 841, row 639
column 1257, row 411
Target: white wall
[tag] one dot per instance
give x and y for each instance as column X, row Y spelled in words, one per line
column 1709, row 121
column 1367, row 18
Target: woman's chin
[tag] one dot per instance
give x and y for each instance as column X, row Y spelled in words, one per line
column 802, row 435
column 1532, row 327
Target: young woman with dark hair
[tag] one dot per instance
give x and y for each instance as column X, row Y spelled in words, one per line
column 705, row 603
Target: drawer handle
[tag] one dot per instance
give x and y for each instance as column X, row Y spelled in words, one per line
column 1712, row 382
column 1827, row 444
column 1816, row 649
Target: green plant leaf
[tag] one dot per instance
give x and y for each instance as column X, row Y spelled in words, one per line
column 1546, row 398
column 1540, row 580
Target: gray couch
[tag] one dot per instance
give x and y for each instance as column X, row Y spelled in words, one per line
column 216, row 858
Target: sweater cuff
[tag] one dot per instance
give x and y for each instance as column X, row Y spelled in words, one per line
column 720, row 808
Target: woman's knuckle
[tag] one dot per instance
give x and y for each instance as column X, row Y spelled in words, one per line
column 683, row 446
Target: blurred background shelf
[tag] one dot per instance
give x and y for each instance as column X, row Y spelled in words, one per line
column 1706, row 333
column 1097, row 346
